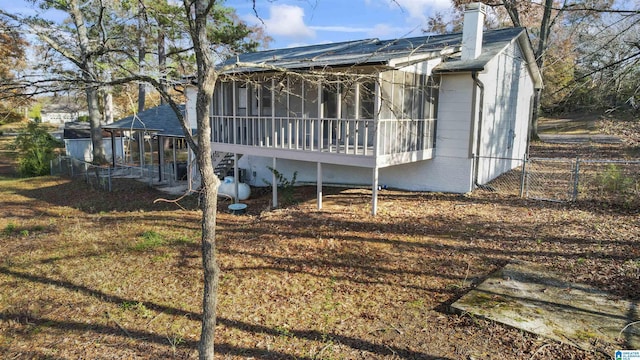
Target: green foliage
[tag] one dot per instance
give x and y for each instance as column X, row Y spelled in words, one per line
column 614, row 180
column 35, row 112
column 285, row 186
column 9, row 229
column 35, row 148
column 150, row 240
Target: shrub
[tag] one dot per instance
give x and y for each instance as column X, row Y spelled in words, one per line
column 35, row 148
column 285, row 185
column 613, row 179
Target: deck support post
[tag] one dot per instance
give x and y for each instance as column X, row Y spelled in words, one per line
column 274, row 184
column 235, row 177
column 374, row 192
column 190, row 179
column 113, row 147
column 160, row 158
column 175, row 165
column 319, row 186
column 141, row 146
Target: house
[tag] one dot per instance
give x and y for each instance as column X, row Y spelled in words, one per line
column 61, row 112
column 154, row 145
column 78, row 145
column 442, row 113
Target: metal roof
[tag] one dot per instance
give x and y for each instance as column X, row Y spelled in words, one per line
column 370, row 52
column 160, row 119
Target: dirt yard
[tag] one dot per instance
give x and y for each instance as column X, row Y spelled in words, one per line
column 95, row 275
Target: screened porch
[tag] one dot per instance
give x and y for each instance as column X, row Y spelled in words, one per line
column 361, row 119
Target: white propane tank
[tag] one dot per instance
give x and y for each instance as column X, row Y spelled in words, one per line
column 227, row 187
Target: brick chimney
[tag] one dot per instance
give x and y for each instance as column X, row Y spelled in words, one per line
column 472, row 30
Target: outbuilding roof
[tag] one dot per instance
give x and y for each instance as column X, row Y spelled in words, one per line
column 374, row 52
column 161, row 120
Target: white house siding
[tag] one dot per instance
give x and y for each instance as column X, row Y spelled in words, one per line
column 61, row 117
column 508, row 89
column 190, row 108
column 451, row 168
column 82, row 149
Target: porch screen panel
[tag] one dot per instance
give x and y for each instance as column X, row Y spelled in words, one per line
column 408, row 111
column 265, row 98
column 254, row 99
column 266, row 129
column 430, row 97
column 367, row 99
column 310, row 106
column 329, row 101
column 348, row 100
column 386, row 95
column 311, row 99
column 227, row 98
column 216, row 101
column 295, row 97
column 295, row 126
column 241, row 98
column 280, row 92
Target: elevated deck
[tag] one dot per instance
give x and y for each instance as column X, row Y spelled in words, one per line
column 354, row 142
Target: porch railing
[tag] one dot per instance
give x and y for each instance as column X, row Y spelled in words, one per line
column 340, row 136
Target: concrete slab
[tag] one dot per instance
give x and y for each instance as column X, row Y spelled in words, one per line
column 527, row 297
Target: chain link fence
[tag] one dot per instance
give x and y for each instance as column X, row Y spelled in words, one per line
column 98, row 177
column 101, row 177
column 559, row 179
column 555, row 179
column 615, row 182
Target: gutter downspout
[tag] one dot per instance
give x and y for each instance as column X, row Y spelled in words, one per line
column 477, row 99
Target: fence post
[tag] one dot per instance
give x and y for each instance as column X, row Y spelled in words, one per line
column 576, row 181
column 524, row 173
column 109, row 177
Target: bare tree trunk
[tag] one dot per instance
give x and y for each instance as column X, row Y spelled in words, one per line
column 162, row 61
column 543, row 42
column 206, row 79
column 141, row 57
column 99, row 155
column 89, row 76
column 107, row 99
column 108, row 105
column 209, row 198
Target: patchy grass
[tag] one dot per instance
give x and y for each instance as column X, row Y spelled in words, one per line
column 113, row 275
column 124, row 281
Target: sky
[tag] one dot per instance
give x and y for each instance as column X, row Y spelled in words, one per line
column 306, row 22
